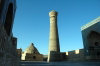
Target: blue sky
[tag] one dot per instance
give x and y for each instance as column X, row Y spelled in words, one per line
column 31, row 22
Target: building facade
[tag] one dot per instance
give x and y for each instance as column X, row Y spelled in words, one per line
column 91, row 43
column 91, row 39
column 8, row 43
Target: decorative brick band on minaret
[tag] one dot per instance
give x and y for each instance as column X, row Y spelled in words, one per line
column 54, row 48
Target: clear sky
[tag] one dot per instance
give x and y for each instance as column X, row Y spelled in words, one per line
column 31, row 22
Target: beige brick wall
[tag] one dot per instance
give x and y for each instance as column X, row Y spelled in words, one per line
column 33, row 57
column 75, row 55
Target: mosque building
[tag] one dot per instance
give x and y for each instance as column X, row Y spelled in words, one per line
column 31, row 54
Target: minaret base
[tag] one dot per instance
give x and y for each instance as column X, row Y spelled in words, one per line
column 54, row 56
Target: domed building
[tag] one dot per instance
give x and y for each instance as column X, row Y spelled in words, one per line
column 31, row 54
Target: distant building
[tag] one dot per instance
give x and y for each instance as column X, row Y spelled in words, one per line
column 19, row 53
column 31, row 54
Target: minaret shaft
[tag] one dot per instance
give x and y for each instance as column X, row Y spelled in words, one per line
column 54, row 48
column 54, row 38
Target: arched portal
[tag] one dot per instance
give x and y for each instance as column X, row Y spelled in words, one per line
column 9, row 20
column 94, row 44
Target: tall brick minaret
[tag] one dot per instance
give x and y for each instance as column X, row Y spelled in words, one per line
column 54, row 48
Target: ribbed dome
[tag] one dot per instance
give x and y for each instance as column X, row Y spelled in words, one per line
column 32, row 49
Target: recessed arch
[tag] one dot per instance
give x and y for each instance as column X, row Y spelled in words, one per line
column 9, row 19
column 92, row 33
column 93, row 38
column 94, row 43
